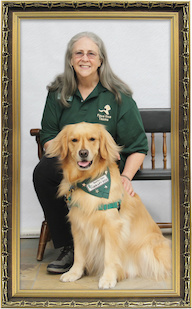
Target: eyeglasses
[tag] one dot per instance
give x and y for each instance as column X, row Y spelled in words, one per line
column 90, row 54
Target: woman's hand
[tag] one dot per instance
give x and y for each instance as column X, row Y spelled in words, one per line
column 127, row 185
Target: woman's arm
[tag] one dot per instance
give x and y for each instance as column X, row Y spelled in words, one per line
column 132, row 165
column 50, row 119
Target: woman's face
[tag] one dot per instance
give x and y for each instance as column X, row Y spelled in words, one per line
column 85, row 58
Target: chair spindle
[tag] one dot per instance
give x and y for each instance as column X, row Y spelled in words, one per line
column 164, row 151
column 153, row 150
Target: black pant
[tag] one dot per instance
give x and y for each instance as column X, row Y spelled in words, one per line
column 47, row 177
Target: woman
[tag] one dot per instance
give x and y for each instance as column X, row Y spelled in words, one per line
column 88, row 91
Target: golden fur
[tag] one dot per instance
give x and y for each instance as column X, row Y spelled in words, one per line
column 114, row 244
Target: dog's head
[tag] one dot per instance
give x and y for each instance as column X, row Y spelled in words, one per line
column 84, row 145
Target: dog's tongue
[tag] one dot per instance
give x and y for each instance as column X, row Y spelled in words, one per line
column 83, row 163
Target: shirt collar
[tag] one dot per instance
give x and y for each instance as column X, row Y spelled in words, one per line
column 96, row 91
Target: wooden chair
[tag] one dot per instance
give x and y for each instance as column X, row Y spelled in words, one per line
column 44, row 234
column 155, row 120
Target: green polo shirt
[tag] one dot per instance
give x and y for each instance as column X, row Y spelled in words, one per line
column 123, row 121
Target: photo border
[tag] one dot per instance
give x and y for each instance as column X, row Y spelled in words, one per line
column 11, row 153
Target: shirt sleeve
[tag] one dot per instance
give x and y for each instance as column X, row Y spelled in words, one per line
column 130, row 131
column 50, row 119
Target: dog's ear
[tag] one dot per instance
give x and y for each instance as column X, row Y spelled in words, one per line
column 108, row 148
column 58, row 147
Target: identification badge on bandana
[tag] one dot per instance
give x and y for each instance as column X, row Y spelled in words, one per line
column 99, row 187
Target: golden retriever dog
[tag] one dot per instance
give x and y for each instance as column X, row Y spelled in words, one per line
column 114, row 235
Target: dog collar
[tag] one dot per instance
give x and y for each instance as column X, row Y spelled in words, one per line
column 99, row 187
column 102, row 206
column 110, row 206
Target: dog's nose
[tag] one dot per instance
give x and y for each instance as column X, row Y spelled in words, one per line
column 83, row 153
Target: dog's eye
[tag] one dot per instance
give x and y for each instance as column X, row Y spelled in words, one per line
column 92, row 139
column 74, row 140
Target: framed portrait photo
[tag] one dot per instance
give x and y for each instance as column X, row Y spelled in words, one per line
column 148, row 47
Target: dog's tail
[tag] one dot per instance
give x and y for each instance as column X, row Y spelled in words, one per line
column 155, row 257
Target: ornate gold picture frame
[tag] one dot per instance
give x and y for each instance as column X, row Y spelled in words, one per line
column 178, row 14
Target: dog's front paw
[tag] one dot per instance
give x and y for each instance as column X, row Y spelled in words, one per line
column 107, row 283
column 70, row 276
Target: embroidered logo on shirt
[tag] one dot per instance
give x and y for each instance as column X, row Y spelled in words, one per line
column 106, row 109
column 105, row 116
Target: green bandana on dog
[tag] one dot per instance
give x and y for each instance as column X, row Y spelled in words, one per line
column 99, row 187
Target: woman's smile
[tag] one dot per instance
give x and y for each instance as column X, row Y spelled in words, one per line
column 84, row 66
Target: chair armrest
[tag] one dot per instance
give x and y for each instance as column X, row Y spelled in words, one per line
column 36, row 133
